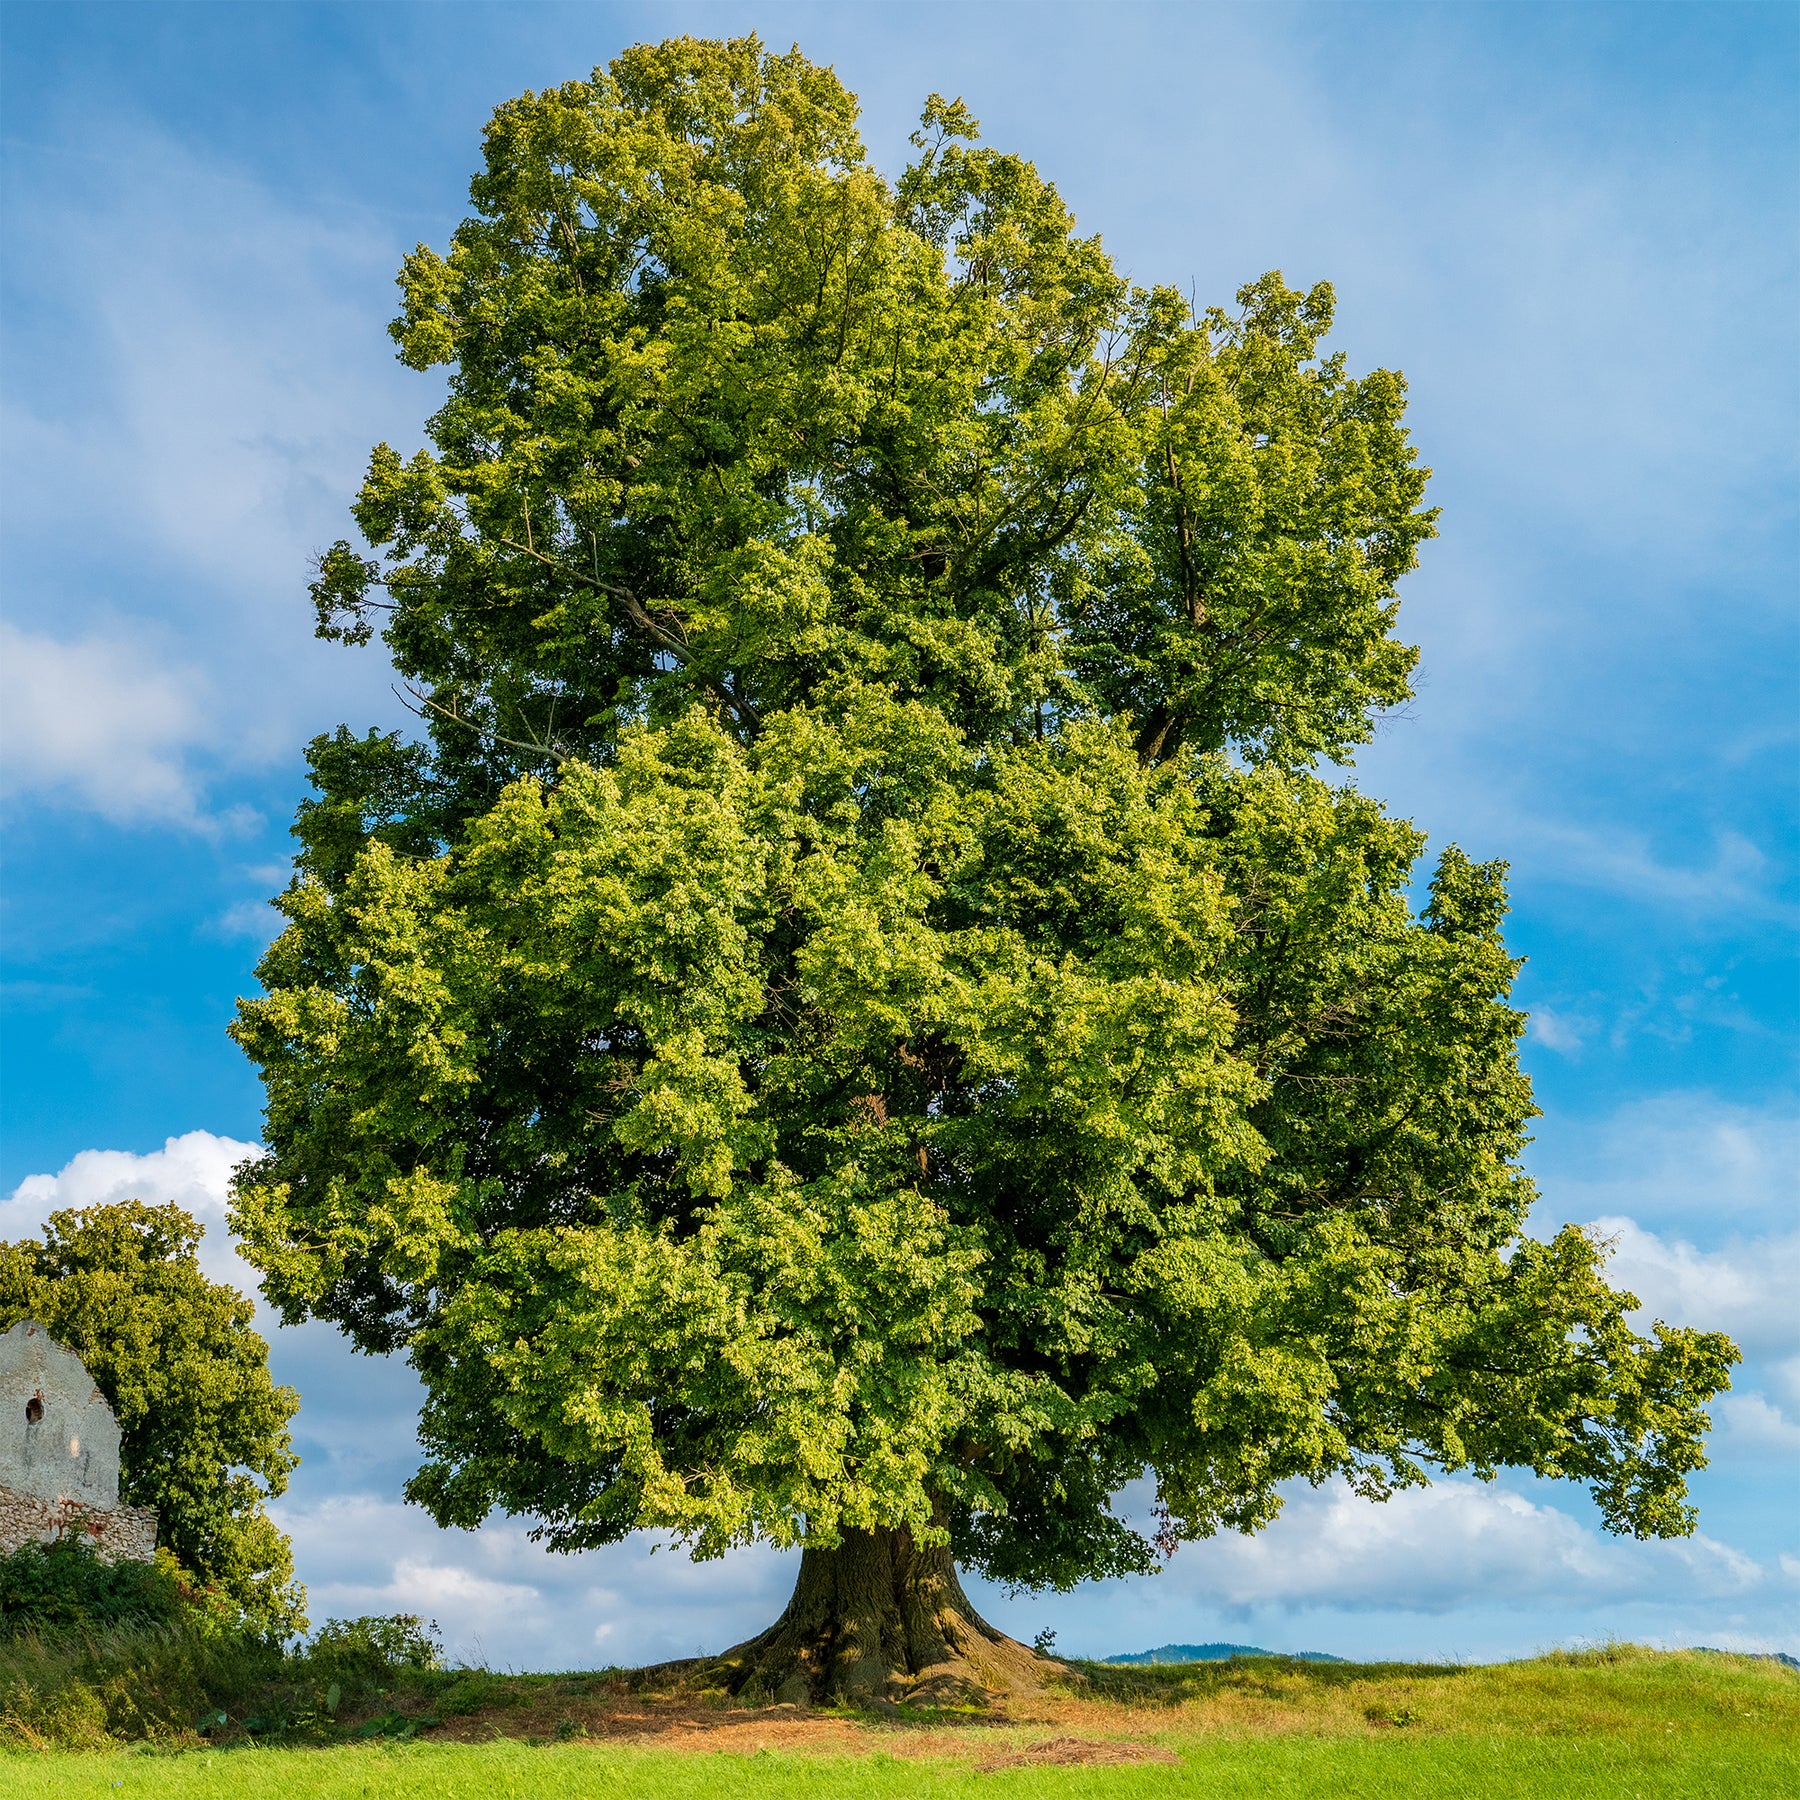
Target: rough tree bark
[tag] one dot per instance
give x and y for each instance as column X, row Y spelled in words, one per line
column 882, row 1618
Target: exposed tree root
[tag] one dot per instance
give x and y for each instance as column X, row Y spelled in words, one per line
column 881, row 1618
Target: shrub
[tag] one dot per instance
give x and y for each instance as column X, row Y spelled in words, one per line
column 366, row 1652
column 64, row 1586
column 90, row 1686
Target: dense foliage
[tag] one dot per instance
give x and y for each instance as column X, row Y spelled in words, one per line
column 203, row 1426
column 859, row 1011
column 368, row 1651
column 97, row 1674
column 63, row 1585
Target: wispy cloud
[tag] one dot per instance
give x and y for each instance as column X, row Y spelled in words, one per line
column 1562, row 1031
column 196, row 372
column 99, row 722
column 1736, row 878
column 252, row 919
column 1746, row 1288
column 1716, row 1168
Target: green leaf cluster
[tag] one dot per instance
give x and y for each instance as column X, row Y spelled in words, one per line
column 860, row 1011
column 203, row 1425
column 734, row 422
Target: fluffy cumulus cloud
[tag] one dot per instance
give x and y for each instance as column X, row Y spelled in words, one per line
column 1458, row 1569
column 1454, row 1544
column 1747, row 1288
column 192, row 1172
column 1332, row 1564
column 1694, row 1195
column 500, row 1599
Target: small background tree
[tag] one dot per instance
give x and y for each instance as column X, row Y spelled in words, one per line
column 203, row 1425
column 859, row 1025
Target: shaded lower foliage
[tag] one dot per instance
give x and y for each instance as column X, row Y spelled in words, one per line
column 86, row 1680
column 64, row 1585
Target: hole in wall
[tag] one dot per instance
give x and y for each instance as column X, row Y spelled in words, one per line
column 34, row 1409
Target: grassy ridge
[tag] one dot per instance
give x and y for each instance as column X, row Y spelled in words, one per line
column 1625, row 1723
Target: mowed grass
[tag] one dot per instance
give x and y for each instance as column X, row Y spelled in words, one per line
column 1618, row 1723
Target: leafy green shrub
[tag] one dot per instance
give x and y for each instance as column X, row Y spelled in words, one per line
column 65, row 1586
column 369, row 1651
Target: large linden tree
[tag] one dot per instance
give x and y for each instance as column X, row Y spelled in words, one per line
column 858, row 1024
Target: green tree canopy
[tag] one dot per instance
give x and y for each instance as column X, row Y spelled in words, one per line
column 859, row 1024
column 203, row 1427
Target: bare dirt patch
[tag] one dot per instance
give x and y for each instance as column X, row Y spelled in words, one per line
column 1036, row 1733
column 1064, row 1752
column 676, row 1723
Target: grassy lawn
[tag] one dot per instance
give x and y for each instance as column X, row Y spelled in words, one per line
column 1626, row 1723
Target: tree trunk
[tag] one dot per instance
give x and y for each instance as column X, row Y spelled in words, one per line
column 881, row 1618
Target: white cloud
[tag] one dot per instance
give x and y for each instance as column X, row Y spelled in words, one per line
column 1563, row 1032
column 502, row 1599
column 1616, row 860
column 234, row 340
column 1429, row 1553
column 1453, row 1544
column 1753, row 1428
column 1688, row 1164
column 1784, row 1378
column 358, row 1415
column 197, row 371
column 1746, row 1288
column 1715, row 1166
column 99, row 722
column 192, row 1171
column 358, row 1546
column 253, row 919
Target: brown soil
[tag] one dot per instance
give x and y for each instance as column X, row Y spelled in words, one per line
column 1020, row 1735
column 1062, row 1751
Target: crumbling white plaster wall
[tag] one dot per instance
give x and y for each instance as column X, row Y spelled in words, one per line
column 59, row 1452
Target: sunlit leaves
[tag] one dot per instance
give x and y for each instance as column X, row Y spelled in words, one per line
column 861, row 1012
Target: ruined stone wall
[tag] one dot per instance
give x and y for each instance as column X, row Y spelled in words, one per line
column 59, row 1453
column 116, row 1534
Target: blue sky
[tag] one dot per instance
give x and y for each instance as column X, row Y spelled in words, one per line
column 1572, row 226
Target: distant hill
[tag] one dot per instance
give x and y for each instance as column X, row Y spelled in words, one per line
column 1778, row 1656
column 1187, row 1653
column 1183, row 1653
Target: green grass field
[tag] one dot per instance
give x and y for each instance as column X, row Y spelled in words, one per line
column 1626, row 1723
column 1441, row 1767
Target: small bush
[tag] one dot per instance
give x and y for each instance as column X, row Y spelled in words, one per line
column 64, row 1586
column 370, row 1651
